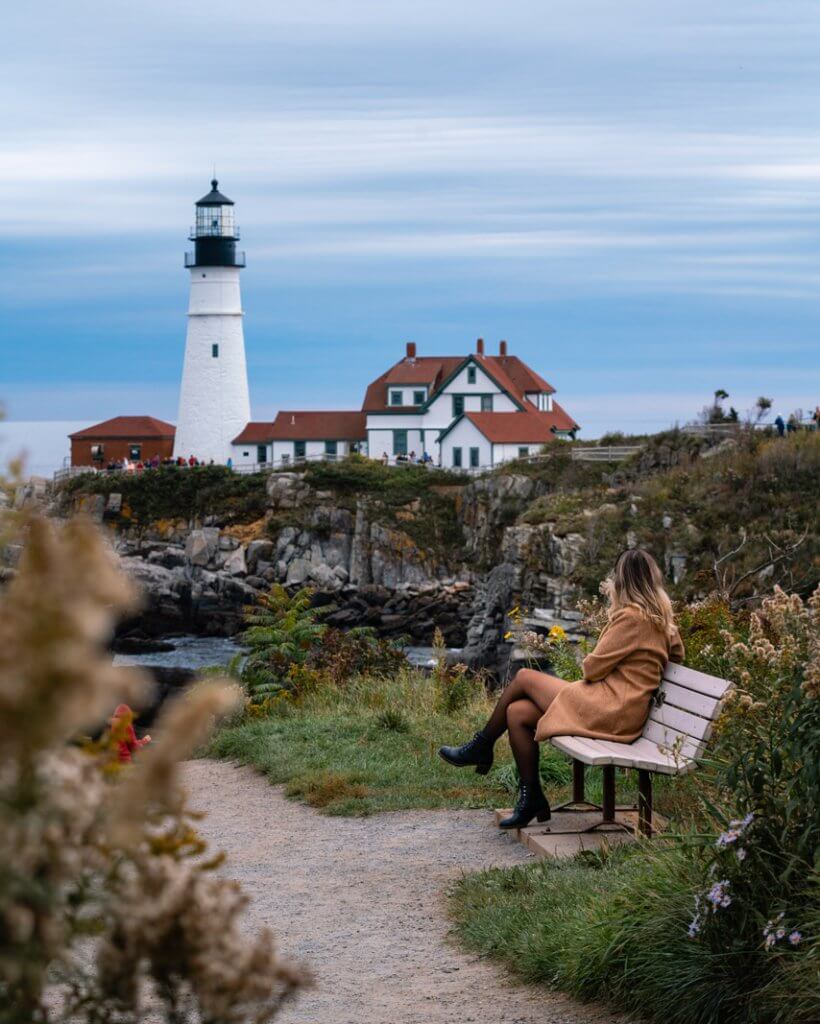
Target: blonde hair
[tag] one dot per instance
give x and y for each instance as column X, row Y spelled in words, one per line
column 636, row 582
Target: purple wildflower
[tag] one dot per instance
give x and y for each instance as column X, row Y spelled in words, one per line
column 795, row 938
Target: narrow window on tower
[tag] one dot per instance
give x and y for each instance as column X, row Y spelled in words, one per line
column 215, row 351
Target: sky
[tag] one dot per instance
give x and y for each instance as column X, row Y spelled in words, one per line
column 628, row 193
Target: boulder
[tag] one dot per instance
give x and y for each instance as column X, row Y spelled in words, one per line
column 297, row 572
column 235, row 563
column 201, row 545
column 259, row 551
column 91, row 505
column 323, row 576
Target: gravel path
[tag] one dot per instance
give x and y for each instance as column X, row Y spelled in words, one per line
column 360, row 900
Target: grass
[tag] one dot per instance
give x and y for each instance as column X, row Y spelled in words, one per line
column 372, row 746
column 613, row 926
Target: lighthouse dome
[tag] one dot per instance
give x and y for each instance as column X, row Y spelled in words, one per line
column 214, row 197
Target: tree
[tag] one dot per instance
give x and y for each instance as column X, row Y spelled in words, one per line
column 762, row 406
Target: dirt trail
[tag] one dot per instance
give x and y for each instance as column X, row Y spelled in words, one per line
column 361, row 901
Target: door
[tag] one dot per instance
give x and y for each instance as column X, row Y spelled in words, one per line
column 331, row 450
column 299, row 450
column 261, row 454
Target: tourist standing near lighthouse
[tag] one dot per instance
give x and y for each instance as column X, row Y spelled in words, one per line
column 213, row 401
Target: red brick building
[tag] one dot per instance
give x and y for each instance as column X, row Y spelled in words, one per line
column 138, row 438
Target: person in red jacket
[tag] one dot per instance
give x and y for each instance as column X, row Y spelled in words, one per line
column 122, row 733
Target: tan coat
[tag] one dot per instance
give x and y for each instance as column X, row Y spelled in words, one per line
column 611, row 702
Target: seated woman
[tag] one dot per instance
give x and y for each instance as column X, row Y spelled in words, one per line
column 611, row 702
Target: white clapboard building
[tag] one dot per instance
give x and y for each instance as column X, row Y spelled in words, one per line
column 470, row 411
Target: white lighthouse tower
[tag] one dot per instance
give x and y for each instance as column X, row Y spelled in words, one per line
column 214, row 405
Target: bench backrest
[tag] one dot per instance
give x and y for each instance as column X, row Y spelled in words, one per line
column 684, row 709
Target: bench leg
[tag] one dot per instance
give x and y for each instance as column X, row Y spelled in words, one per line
column 579, row 802
column 578, row 782
column 644, row 802
column 608, row 800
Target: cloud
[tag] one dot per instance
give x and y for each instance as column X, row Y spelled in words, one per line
column 618, row 181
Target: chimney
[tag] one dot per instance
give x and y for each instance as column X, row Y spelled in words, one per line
column 479, row 347
column 293, row 421
column 502, row 348
column 411, row 350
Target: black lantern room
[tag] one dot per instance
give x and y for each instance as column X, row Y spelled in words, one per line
column 215, row 234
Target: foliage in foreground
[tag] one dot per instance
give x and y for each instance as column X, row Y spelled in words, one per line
column 721, row 925
column 110, row 910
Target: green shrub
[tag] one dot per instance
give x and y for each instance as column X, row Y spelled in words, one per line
column 280, row 633
column 169, row 492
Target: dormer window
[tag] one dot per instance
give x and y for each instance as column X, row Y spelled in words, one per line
column 397, row 398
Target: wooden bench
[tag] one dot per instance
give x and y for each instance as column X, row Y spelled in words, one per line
column 683, row 712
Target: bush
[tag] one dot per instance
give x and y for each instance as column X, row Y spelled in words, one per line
column 764, row 792
column 169, row 492
column 292, row 653
column 108, row 908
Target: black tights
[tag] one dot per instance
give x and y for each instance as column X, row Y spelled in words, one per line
column 521, row 704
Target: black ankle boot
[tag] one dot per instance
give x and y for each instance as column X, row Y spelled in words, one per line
column 477, row 751
column 531, row 804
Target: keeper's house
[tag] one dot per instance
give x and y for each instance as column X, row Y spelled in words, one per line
column 470, row 412
column 137, row 438
column 296, row 436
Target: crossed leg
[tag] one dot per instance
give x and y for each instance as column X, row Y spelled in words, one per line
column 519, row 707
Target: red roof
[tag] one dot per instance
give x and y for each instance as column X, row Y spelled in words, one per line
column 521, row 427
column 130, row 428
column 254, row 433
column 509, row 372
column 306, row 426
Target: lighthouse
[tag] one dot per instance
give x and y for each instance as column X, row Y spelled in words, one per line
column 214, row 405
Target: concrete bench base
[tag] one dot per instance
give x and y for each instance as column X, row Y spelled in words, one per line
column 567, row 833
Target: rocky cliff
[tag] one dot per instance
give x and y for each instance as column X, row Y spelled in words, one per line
column 405, row 551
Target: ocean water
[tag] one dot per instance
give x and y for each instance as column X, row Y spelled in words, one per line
column 198, row 652
column 42, row 444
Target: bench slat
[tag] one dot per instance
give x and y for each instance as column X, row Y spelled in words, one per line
column 581, row 748
column 688, row 700
column 643, row 753
column 694, row 726
column 697, row 681
column 668, row 738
